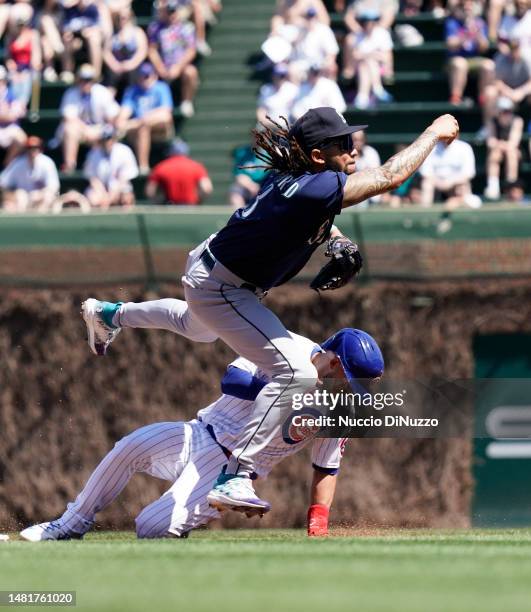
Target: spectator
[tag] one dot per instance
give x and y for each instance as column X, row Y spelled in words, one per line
column 386, row 10
column 315, row 44
column 515, row 193
column 494, row 15
column 209, row 9
column 503, row 144
column 466, row 42
column 51, row 41
column 172, row 49
column 6, row 7
column 179, row 179
column 275, row 99
column 81, row 23
column 30, row 181
column 198, row 10
column 12, row 136
column 447, row 173
column 318, row 90
column 369, row 55
column 23, row 51
column 512, row 78
column 293, row 13
column 367, row 157
column 105, row 15
column 146, row 112
column 85, row 108
column 247, row 176
column 517, row 25
column 411, row 8
column 109, row 168
column 125, row 50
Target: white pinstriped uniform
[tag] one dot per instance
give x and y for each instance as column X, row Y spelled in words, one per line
column 228, row 416
column 187, row 455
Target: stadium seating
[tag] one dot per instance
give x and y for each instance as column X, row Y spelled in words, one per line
column 226, row 101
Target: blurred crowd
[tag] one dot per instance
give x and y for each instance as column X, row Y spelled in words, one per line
column 124, row 83
column 489, row 41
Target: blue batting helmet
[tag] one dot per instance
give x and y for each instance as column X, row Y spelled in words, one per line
column 358, row 351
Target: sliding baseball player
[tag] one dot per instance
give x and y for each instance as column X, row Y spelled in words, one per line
column 191, row 454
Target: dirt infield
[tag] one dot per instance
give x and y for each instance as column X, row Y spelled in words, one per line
column 61, row 409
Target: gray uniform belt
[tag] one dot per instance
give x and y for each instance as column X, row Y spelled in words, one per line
column 209, row 260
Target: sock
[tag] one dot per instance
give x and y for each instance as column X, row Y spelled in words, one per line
column 493, row 183
column 109, row 312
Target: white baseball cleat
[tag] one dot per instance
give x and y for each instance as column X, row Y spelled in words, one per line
column 4, row 537
column 233, row 492
column 100, row 328
column 51, row 530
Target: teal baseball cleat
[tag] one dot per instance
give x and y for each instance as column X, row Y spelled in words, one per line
column 232, row 492
column 98, row 317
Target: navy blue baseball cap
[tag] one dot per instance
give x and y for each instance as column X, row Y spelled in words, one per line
column 319, row 125
column 358, row 352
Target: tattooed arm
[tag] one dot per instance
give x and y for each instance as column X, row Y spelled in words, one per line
column 371, row 182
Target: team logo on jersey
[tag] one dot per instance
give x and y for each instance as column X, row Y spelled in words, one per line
column 321, row 233
column 293, row 434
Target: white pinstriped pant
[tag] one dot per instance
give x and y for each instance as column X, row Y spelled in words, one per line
column 183, row 453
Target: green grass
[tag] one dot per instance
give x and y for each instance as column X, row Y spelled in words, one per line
column 249, row 571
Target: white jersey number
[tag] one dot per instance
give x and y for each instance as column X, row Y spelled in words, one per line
column 247, row 211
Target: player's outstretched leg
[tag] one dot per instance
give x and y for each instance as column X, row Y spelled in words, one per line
column 155, row 449
column 105, row 319
column 98, row 318
column 257, row 334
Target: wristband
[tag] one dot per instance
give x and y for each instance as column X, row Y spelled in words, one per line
column 317, row 520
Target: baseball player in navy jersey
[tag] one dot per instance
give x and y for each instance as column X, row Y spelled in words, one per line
column 190, row 455
column 264, row 245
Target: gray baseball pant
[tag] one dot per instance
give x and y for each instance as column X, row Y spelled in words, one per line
column 218, row 307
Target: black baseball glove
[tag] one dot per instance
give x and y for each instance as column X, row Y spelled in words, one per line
column 346, row 262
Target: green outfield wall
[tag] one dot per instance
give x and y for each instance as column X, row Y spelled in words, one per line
column 184, row 227
column 149, row 245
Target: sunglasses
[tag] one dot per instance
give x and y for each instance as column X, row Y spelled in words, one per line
column 343, row 143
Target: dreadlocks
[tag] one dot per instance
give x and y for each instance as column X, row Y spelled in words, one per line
column 278, row 150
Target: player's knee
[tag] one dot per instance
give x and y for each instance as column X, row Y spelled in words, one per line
column 133, row 448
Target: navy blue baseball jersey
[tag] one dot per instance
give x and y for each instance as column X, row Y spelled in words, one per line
column 270, row 241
